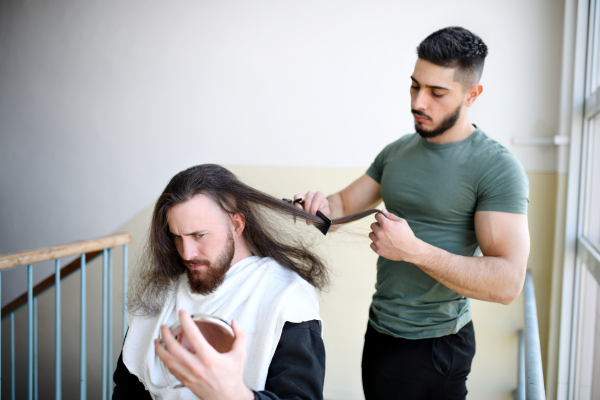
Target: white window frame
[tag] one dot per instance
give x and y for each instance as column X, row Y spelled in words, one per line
column 579, row 251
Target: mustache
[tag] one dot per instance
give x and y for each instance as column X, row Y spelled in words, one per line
column 196, row 261
column 421, row 113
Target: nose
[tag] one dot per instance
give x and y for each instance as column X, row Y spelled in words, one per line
column 189, row 250
column 419, row 101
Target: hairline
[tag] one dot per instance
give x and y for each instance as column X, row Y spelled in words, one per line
column 210, row 197
column 467, row 77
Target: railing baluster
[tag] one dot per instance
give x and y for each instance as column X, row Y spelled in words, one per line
column 30, row 332
column 125, row 251
column 12, row 356
column 35, row 349
column 104, row 306
column 57, row 333
column 110, row 324
column 82, row 338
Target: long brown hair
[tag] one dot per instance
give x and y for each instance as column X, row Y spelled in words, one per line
column 161, row 264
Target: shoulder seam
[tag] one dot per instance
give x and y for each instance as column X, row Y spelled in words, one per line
column 500, row 151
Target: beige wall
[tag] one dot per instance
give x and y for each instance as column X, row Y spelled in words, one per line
column 551, row 366
column 344, row 306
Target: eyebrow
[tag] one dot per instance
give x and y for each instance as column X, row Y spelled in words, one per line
column 189, row 234
column 430, row 86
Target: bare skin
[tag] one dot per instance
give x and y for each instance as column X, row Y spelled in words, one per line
column 200, row 229
column 503, row 238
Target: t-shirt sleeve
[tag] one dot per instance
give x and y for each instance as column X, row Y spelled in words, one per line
column 502, row 185
column 375, row 171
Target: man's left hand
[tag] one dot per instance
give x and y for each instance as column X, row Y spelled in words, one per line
column 393, row 239
column 208, row 373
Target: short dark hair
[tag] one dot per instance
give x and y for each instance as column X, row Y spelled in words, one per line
column 456, row 47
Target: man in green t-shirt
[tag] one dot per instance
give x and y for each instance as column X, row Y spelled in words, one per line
column 448, row 190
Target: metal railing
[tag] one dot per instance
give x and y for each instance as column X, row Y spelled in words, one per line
column 86, row 250
column 530, row 373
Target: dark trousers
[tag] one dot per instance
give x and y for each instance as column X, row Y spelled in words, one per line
column 402, row 369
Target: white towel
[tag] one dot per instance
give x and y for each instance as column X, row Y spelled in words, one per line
column 257, row 292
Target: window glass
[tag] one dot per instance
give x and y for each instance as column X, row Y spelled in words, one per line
column 592, row 199
column 589, row 339
column 594, row 68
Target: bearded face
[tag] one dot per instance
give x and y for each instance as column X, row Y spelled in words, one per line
column 445, row 124
column 207, row 280
column 204, row 236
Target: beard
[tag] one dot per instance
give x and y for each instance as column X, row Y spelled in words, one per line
column 207, row 281
column 442, row 127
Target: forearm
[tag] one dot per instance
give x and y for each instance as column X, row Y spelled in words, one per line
column 488, row 278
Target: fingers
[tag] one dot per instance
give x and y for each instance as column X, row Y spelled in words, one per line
column 312, row 202
column 301, row 197
column 169, row 360
column 318, row 202
column 390, row 216
column 186, row 371
column 307, row 201
column 194, row 336
column 374, row 248
column 239, row 343
column 375, row 227
column 373, row 237
column 172, row 345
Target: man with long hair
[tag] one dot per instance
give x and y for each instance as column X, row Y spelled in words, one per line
column 448, row 189
column 214, row 249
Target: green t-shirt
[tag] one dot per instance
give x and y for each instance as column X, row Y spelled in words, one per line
column 438, row 189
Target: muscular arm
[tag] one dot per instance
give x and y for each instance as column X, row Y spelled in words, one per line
column 498, row 276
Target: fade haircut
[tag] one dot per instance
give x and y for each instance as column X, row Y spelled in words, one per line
column 264, row 233
column 456, row 47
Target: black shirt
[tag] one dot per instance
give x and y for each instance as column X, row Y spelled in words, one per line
column 296, row 372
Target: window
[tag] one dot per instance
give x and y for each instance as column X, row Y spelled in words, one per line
column 580, row 319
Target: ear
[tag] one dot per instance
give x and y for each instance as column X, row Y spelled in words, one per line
column 473, row 93
column 239, row 223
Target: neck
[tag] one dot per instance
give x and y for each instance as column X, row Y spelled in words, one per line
column 460, row 131
column 241, row 251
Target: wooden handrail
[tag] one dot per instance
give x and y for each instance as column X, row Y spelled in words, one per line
column 48, row 282
column 50, row 253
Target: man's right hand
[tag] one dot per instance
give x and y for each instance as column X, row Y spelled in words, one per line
column 360, row 195
column 313, row 202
